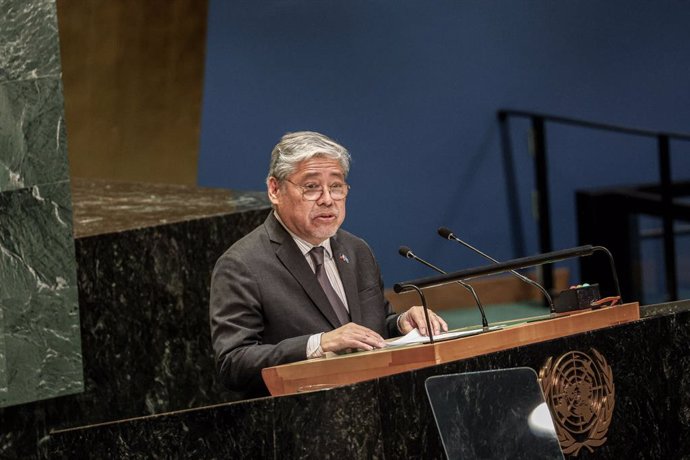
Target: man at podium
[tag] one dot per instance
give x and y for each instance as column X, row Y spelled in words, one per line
column 298, row 286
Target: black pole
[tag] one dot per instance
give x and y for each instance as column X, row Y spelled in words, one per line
column 542, row 183
column 667, row 217
column 430, row 331
column 516, row 230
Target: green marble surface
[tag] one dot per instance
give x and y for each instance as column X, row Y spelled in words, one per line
column 39, row 296
column 29, row 45
column 3, row 370
column 40, row 343
column 32, row 134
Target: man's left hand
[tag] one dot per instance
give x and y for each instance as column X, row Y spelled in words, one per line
column 414, row 318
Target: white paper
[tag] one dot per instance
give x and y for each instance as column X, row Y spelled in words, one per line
column 415, row 337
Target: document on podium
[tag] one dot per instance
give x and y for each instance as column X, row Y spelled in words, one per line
column 415, row 337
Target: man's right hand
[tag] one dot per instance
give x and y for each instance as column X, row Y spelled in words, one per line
column 351, row 336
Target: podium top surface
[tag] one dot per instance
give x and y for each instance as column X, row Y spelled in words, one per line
column 665, row 308
column 324, row 373
column 102, row 206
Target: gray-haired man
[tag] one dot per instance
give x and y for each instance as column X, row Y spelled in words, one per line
column 298, row 286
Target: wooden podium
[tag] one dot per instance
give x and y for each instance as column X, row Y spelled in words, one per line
column 324, row 373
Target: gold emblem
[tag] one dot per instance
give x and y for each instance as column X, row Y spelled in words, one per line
column 579, row 391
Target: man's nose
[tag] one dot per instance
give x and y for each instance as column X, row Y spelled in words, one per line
column 325, row 198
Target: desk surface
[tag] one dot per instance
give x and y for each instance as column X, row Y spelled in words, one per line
column 357, row 367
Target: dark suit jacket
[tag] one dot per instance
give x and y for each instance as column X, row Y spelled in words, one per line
column 266, row 302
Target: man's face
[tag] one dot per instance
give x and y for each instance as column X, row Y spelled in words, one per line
column 313, row 221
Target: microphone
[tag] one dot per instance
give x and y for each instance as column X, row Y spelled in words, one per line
column 447, row 234
column 408, row 254
column 515, row 264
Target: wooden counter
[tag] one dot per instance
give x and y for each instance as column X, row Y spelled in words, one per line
column 322, row 373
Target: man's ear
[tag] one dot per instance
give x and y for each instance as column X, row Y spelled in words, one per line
column 273, row 190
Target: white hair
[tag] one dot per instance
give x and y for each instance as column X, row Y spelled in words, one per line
column 294, row 148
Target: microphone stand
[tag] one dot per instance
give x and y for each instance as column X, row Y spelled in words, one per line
column 514, row 264
column 408, row 254
column 409, row 287
column 446, row 234
column 613, row 270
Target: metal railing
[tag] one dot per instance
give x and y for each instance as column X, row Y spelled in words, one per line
column 538, row 131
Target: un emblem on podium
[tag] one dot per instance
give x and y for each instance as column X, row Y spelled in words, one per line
column 579, row 390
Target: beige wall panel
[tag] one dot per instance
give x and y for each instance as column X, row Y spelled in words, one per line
column 133, row 77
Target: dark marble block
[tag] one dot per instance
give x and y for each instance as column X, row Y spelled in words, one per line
column 391, row 417
column 342, row 424
column 145, row 255
column 300, row 426
column 649, row 364
column 230, row 431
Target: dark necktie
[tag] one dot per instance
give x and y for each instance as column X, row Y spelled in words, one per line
column 317, row 256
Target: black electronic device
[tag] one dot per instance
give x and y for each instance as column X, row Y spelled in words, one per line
column 577, row 298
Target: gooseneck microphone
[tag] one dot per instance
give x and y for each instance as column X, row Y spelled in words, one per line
column 447, row 234
column 408, row 254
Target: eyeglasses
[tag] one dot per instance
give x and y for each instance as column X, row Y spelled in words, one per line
column 312, row 192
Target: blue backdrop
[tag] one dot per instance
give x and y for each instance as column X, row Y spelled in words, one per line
column 412, row 89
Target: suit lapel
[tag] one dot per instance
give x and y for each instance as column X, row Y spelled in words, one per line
column 292, row 258
column 348, row 277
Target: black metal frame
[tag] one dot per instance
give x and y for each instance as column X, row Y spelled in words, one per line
column 538, row 123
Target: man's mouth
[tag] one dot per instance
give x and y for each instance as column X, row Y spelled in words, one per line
column 325, row 217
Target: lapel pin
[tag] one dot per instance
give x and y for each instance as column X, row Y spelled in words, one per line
column 344, row 258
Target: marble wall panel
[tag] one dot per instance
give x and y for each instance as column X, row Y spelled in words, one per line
column 39, row 294
column 40, row 354
column 32, row 134
column 3, row 360
column 29, row 46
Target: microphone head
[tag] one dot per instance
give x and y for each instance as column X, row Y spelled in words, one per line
column 405, row 252
column 445, row 232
